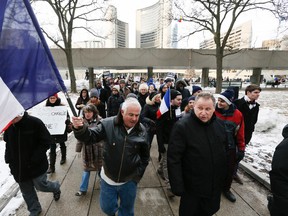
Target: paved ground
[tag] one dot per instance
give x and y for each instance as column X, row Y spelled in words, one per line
column 151, row 196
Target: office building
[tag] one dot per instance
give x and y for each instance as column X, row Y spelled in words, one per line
column 240, row 37
column 154, row 28
column 114, row 32
column 273, row 44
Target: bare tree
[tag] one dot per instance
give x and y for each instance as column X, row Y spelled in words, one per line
column 215, row 15
column 72, row 15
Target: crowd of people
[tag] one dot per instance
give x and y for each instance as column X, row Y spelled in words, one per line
column 200, row 143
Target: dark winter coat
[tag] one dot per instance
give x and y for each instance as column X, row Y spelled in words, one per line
column 142, row 99
column 113, row 104
column 104, row 95
column 92, row 154
column 279, row 177
column 26, row 144
column 250, row 117
column 148, row 115
column 164, row 127
column 100, row 107
column 81, row 100
column 196, row 157
column 125, row 156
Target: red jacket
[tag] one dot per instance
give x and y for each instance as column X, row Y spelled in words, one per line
column 234, row 115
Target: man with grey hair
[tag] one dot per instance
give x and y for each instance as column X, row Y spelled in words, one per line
column 125, row 156
column 197, row 159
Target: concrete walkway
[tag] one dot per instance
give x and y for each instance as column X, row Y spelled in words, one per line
column 151, row 195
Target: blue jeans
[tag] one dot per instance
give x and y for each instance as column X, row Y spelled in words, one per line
column 85, row 181
column 29, row 193
column 109, row 195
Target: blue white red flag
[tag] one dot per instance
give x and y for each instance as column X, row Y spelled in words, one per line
column 28, row 73
column 165, row 104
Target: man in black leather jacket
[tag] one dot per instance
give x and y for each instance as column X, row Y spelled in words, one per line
column 125, row 156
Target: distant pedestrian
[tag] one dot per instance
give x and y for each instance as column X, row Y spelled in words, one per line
column 27, row 141
column 249, row 109
column 197, row 159
column 92, row 154
column 87, row 75
column 278, row 203
column 125, row 156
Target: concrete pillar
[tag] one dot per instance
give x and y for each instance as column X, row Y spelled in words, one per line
column 205, row 77
column 91, row 77
column 150, row 72
column 256, row 76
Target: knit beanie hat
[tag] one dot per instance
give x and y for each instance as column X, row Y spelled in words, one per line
column 94, row 93
column 153, row 95
column 227, row 96
column 117, row 87
column 191, row 98
column 168, row 80
column 174, row 93
column 195, row 89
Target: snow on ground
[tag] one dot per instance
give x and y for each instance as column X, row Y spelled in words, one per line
column 273, row 116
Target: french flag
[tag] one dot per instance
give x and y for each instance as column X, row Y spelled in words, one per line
column 28, row 73
column 165, row 104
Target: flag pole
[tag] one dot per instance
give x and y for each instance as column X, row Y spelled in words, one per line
column 170, row 110
column 70, row 103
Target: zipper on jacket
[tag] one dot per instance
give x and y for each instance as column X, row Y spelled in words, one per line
column 121, row 164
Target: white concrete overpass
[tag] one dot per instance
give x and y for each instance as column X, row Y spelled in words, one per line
column 125, row 58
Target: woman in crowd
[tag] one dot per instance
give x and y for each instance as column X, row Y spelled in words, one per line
column 148, row 114
column 143, row 93
column 91, row 153
column 53, row 101
column 94, row 99
column 114, row 101
column 82, row 100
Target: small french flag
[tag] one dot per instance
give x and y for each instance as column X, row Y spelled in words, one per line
column 165, row 104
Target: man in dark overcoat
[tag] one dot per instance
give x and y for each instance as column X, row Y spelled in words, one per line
column 197, row 159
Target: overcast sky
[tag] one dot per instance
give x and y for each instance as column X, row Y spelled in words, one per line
column 264, row 25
